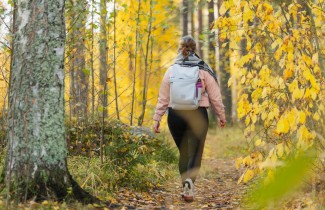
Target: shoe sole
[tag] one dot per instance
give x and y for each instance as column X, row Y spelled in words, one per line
column 188, row 198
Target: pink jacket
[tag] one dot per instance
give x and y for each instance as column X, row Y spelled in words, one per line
column 210, row 92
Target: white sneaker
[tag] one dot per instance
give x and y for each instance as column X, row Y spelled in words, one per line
column 188, row 193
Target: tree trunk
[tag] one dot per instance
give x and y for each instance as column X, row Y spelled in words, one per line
column 137, row 35
column 224, row 70
column 79, row 74
column 36, row 165
column 103, row 57
column 146, row 67
column 114, row 65
column 184, row 12
column 211, row 50
column 191, row 9
column 200, row 29
column 92, row 62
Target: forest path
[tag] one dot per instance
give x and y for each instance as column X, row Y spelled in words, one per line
column 215, row 188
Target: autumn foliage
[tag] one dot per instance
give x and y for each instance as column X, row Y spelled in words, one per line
column 281, row 74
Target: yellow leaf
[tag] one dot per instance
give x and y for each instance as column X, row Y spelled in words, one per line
column 230, row 82
column 248, row 43
column 307, row 74
column 290, row 56
column 243, row 80
column 283, row 125
column 276, row 43
column 248, row 15
column 279, row 149
column 273, row 158
column 247, row 120
column 287, row 73
column 290, row 47
column 264, row 115
column 259, row 142
column 247, row 161
column 223, row 8
column 291, row 116
column 248, row 175
column 316, row 116
column 45, row 202
column 269, row 177
column 239, row 161
column 302, row 117
column 297, row 94
column 313, row 93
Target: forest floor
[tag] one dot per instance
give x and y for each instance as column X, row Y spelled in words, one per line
column 215, row 188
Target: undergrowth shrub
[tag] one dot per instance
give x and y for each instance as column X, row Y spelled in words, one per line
column 132, row 156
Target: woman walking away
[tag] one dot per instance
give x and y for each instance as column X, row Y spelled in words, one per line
column 187, row 115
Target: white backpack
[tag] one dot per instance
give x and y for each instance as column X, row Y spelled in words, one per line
column 184, row 94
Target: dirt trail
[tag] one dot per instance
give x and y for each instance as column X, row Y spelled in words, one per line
column 216, row 190
column 216, row 187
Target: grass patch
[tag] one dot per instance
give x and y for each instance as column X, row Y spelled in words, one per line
column 228, row 142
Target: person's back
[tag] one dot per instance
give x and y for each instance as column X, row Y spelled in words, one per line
column 189, row 126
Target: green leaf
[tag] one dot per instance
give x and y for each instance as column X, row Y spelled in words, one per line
column 286, row 179
column 86, row 71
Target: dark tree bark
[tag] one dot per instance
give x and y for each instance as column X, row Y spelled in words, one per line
column 79, row 86
column 35, row 166
column 211, row 49
column 224, row 73
column 191, row 15
column 212, row 39
column 185, row 17
column 200, row 28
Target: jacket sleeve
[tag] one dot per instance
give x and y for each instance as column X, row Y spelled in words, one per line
column 213, row 90
column 163, row 98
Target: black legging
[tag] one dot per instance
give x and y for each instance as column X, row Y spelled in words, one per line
column 189, row 130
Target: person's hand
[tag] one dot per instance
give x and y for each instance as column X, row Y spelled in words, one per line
column 222, row 123
column 156, row 127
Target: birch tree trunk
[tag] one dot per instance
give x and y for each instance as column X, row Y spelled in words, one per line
column 36, row 160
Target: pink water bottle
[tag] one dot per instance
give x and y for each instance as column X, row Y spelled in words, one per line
column 198, row 89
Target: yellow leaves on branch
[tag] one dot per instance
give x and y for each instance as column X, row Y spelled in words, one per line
column 305, row 138
column 243, row 106
column 250, row 162
column 283, row 126
column 279, row 76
